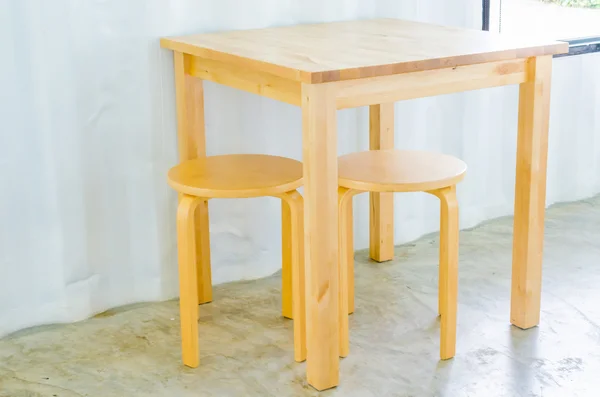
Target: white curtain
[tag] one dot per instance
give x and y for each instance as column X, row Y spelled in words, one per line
column 87, row 132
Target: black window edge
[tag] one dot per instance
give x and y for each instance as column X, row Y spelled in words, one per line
column 579, row 46
column 485, row 15
column 585, row 45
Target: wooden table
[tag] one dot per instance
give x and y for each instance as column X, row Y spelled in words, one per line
column 331, row 66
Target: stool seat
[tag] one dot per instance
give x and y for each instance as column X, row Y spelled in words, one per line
column 402, row 171
column 236, row 176
column 399, row 171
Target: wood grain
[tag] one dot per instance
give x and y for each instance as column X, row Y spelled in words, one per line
column 381, row 219
column 188, row 287
column 348, row 50
column 236, row 176
column 286, row 260
column 203, row 267
column 399, row 171
column 448, row 271
column 350, row 254
column 530, row 194
column 399, row 87
column 189, row 95
column 253, row 81
column 295, row 204
column 346, row 249
column 321, row 234
column 239, row 167
column 405, row 171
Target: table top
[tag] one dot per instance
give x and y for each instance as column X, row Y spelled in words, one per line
column 337, row 51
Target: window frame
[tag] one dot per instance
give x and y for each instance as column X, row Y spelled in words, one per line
column 577, row 46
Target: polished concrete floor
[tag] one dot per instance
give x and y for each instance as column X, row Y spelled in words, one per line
column 246, row 347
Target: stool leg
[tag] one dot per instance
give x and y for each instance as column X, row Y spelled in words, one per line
column 286, row 260
column 188, row 285
column 448, row 293
column 346, row 258
column 295, row 206
column 203, row 253
column 349, row 216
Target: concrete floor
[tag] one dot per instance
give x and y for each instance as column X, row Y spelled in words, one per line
column 246, row 347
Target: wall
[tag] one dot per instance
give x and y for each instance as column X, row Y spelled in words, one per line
column 88, row 134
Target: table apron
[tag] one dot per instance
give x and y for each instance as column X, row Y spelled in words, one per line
column 365, row 91
column 385, row 89
column 245, row 79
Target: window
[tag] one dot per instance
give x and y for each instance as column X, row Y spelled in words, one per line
column 576, row 21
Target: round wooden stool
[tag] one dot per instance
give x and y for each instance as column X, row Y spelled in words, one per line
column 237, row 176
column 404, row 171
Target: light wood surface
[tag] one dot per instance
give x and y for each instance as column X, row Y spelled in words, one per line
column 346, row 258
column 293, row 277
column 188, row 287
column 337, row 51
column 236, row 176
column 350, row 255
column 448, row 278
column 399, row 171
column 253, row 81
column 295, row 205
column 319, row 134
column 530, row 194
column 381, row 221
column 189, row 95
column 399, row 87
column 203, row 268
column 286, row 260
column 373, row 62
column 409, row 171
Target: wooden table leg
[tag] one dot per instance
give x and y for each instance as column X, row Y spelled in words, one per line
column 530, row 193
column 319, row 126
column 381, row 232
column 189, row 95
